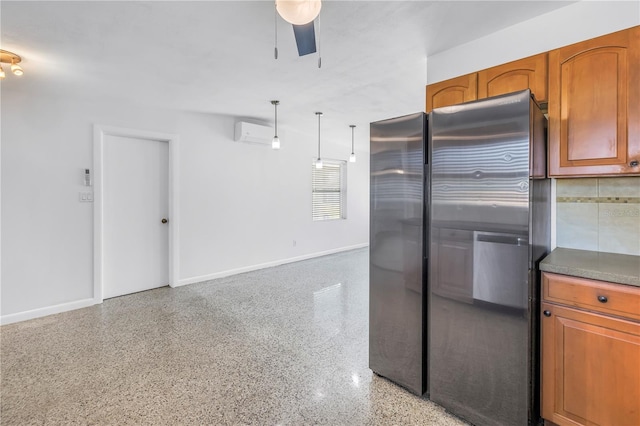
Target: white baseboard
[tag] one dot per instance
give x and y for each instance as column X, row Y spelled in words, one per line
column 64, row 307
column 229, row 272
column 48, row 310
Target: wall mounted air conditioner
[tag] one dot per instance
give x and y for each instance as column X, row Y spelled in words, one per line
column 253, row 133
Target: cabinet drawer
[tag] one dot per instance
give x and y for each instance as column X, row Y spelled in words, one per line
column 614, row 299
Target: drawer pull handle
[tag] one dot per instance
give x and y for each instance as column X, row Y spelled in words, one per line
column 602, row 299
column 547, row 313
column 634, row 163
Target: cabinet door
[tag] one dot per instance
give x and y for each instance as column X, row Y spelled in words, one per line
column 594, row 106
column 527, row 73
column 590, row 368
column 451, row 92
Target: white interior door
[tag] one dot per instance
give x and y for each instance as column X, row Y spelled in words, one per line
column 135, row 202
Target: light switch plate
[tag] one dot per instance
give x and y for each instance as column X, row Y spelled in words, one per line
column 85, row 197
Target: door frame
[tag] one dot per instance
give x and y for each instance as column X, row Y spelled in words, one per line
column 100, row 132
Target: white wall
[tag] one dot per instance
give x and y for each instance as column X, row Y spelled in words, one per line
column 241, row 205
column 570, row 24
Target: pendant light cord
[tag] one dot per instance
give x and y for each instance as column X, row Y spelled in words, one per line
column 352, row 127
column 319, row 114
column 276, row 128
column 275, row 24
column 319, row 45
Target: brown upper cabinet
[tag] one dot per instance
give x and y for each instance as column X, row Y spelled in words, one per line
column 527, row 73
column 593, row 94
column 594, row 106
column 451, row 92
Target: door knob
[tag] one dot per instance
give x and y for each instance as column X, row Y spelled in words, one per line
column 164, row 220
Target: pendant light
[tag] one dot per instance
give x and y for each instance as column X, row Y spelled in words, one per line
column 352, row 157
column 275, row 142
column 319, row 160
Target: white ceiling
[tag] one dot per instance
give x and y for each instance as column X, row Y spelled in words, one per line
column 217, row 56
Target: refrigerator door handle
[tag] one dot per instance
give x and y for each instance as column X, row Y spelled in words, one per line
column 426, row 211
column 502, row 239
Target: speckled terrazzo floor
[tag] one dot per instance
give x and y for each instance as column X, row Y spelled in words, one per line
column 285, row 345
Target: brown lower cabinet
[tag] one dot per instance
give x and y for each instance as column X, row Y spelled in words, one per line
column 590, row 357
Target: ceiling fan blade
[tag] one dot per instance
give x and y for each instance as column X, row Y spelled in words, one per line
column 305, row 38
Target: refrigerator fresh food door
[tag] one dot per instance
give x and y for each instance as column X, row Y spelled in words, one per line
column 479, row 332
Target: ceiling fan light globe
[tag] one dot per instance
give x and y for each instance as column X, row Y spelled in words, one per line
column 298, row 12
column 17, row 70
column 352, row 158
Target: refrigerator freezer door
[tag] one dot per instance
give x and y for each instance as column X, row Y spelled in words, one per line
column 396, row 251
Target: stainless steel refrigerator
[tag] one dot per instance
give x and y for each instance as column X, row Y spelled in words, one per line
column 397, row 314
column 489, row 228
column 459, row 221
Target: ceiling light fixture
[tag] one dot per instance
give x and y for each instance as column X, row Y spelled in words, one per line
column 298, row 12
column 352, row 157
column 275, row 142
column 13, row 59
column 16, row 69
column 319, row 160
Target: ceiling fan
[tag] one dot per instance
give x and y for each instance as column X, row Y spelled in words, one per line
column 301, row 15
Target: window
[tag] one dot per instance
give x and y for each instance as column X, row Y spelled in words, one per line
column 329, row 190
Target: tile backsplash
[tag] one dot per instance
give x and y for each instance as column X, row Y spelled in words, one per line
column 600, row 214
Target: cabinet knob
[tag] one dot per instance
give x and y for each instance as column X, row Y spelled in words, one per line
column 547, row 313
column 634, row 163
column 602, row 299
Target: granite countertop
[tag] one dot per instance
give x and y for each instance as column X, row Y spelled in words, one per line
column 615, row 268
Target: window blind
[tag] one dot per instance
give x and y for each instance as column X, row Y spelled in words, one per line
column 329, row 190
